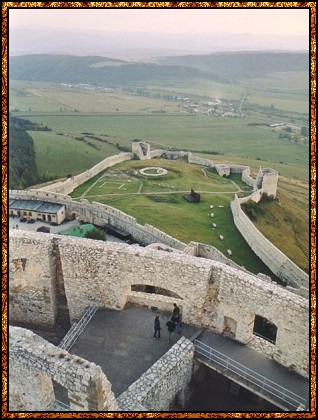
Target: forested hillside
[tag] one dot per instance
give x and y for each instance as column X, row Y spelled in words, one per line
column 96, row 70
column 242, row 65
column 22, row 167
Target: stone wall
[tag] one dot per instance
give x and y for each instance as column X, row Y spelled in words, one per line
column 212, row 294
column 278, row 262
column 34, row 363
column 32, row 288
column 101, row 214
column 246, row 177
column 69, row 185
column 200, row 161
column 158, row 386
column 241, row 298
column 207, row 251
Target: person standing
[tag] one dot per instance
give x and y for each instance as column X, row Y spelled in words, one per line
column 171, row 327
column 157, row 328
column 176, row 313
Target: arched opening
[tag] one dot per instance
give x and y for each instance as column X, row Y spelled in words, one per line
column 146, row 288
column 265, row 329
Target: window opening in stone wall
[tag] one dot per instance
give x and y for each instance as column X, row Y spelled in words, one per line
column 23, row 262
column 146, row 288
column 60, row 393
column 265, row 329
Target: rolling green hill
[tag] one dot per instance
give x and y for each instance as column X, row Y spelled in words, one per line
column 222, row 67
column 95, row 70
column 243, row 65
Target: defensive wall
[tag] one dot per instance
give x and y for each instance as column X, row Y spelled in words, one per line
column 158, row 386
column 101, row 214
column 69, row 185
column 211, row 294
column 278, row 262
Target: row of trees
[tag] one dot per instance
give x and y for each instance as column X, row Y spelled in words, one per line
column 23, row 171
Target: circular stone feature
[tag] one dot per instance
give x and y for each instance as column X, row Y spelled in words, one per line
column 155, row 171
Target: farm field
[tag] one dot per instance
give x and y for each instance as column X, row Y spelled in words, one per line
column 225, row 137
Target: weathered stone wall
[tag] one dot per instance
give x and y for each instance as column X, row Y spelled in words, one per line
column 33, row 363
column 158, row 386
column 141, row 150
column 267, row 181
column 200, row 161
column 109, row 270
column 241, row 296
column 246, row 177
column 69, row 185
column 211, row 293
column 207, row 251
column 32, row 292
column 101, row 214
column 278, row 262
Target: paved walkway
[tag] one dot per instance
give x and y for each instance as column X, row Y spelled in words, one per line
column 122, row 343
column 258, row 363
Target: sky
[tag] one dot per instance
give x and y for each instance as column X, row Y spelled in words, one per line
column 258, row 21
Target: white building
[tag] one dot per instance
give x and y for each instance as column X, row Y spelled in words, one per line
column 37, row 210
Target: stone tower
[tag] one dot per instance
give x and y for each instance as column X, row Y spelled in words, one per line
column 141, row 150
column 267, row 180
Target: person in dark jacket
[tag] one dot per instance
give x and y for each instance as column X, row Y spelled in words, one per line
column 171, row 327
column 157, row 328
column 176, row 313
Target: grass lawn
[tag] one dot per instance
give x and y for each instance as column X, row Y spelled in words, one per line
column 159, row 202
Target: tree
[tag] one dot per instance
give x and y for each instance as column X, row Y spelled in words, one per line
column 96, row 234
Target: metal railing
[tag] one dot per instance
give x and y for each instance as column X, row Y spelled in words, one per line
column 286, row 399
column 60, row 406
column 77, row 328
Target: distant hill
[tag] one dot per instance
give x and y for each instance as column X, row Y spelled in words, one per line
column 39, row 39
column 221, row 67
column 243, row 65
column 96, row 70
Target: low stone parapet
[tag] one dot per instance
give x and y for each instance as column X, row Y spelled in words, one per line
column 159, row 385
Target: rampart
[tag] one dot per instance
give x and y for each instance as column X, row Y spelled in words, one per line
column 278, row 262
column 158, row 386
column 101, row 214
column 69, row 185
column 211, row 294
column 34, row 363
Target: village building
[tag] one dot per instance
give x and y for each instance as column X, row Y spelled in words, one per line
column 31, row 210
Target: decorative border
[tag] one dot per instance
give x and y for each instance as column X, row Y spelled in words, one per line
column 7, row 5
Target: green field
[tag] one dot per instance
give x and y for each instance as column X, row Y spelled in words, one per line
column 229, row 138
column 119, row 118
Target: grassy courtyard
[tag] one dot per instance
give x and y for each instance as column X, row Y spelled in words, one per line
column 159, row 202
